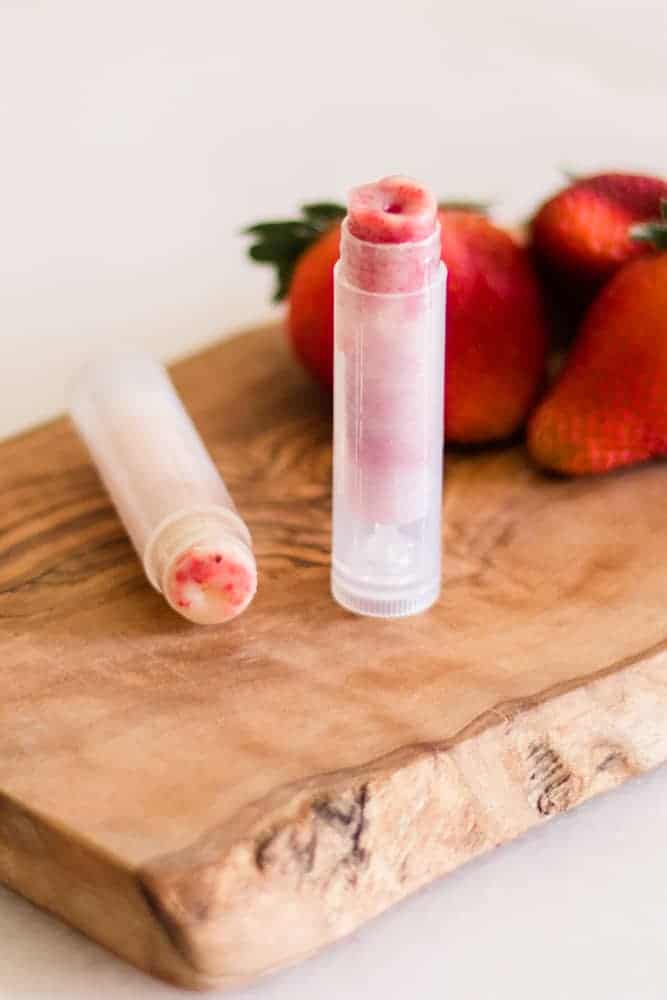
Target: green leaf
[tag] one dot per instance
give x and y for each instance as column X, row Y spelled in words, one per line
column 279, row 246
column 292, row 228
column 324, row 212
column 477, row 207
column 643, row 232
column 264, row 253
column 280, row 242
column 283, row 276
column 652, row 232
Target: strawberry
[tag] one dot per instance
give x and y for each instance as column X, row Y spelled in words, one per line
column 496, row 334
column 580, row 236
column 609, row 408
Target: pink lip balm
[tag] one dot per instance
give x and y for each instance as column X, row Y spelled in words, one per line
column 194, row 547
column 388, row 401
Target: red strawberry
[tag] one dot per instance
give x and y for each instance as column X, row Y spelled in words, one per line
column 609, row 405
column 581, row 235
column 496, row 337
column 496, row 333
column 310, row 313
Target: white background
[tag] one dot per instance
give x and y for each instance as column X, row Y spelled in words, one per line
column 137, row 138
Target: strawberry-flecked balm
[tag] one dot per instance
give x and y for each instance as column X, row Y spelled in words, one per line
column 389, row 335
column 194, row 547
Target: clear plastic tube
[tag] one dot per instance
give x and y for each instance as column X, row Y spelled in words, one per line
column 194, row 547
column 388, row 424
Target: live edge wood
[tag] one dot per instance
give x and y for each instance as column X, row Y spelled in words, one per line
column 214, row 803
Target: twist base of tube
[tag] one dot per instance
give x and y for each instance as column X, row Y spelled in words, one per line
column 395, row 602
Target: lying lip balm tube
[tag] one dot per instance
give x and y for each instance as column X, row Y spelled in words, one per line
column 389, row 333
column 194, row 547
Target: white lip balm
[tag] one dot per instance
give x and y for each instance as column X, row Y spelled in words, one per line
column 194, row 547
column 389, row 332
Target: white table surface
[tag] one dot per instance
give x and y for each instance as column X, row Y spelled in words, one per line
column 137, row 138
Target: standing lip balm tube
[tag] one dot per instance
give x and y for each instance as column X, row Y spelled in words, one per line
column 194, row 547
column 389, row 333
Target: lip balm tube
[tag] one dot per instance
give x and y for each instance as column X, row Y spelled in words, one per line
column 195, row 549
column 389, row 334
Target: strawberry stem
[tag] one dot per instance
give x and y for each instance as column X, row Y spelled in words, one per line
column 281, row 243
column 654, row 232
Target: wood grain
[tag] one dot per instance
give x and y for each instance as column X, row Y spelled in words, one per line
column 214, row 803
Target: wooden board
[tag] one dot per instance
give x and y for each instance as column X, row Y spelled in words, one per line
column 213, row 803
